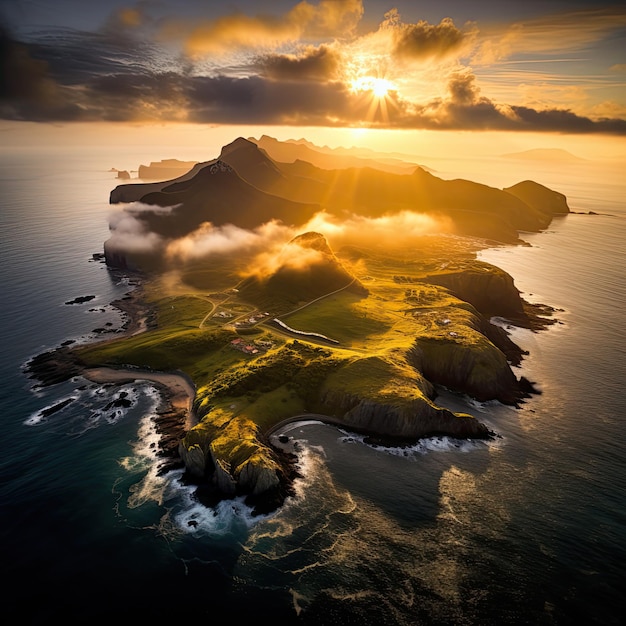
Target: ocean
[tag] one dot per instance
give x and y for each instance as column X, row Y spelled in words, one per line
column 529, row 528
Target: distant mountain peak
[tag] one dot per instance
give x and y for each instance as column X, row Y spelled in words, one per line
column 238, row 144
column 251, row 162
column 544, row 154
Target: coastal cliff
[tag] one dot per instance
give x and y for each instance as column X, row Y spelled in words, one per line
column 388, row 399
column 385, row 399
column 488, row 288
column 479, row 370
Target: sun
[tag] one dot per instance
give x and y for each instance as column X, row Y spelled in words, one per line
column 378, row 94
column 378, row 87
column 381, row 87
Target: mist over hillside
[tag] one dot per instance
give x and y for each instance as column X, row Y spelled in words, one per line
column 244, row 201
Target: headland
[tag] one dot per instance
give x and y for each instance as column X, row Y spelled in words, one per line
column 280, row 323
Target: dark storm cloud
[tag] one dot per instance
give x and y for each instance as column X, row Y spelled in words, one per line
column 259, row 100
column 485, row 115
column 566, row 121
column 319, row 63
column 462, row 88
column 422, row 40
column 27, row 90
column 74, row 57
column 21, row 75
column 465, row 109
column 68, row 75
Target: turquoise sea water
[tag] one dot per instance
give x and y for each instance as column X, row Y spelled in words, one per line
column 527, row 529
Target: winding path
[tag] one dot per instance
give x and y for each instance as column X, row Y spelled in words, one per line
column 326, row 295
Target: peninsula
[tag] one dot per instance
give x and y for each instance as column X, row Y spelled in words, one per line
column 277, row 288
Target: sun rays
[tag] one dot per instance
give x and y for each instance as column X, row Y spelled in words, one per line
column 379, row 87
column 378, row 93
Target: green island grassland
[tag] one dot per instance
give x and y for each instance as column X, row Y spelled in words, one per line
column 381, row 344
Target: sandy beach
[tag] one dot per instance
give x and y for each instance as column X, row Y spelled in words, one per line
column 178, row 389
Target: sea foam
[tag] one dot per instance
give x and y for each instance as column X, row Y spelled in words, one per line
column 420, row 447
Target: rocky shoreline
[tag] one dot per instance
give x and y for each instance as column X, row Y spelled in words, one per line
column 174, row 415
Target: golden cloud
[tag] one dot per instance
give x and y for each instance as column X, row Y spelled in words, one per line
column 327, row 19
column 422, row 40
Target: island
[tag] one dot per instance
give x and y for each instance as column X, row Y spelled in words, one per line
column 165, row 169
column 248, row 314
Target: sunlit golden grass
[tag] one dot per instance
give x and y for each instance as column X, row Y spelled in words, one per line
column 162, row 349
column 343, row 317
column 177, row 342
column 274, row 406
column 392, row 314
column 388, row 380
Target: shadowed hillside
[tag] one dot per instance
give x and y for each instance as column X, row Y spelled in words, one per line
column 217, row 194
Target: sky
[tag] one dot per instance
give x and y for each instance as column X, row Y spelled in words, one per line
column 537, row 66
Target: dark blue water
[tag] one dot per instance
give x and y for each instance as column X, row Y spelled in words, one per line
column 528, row 529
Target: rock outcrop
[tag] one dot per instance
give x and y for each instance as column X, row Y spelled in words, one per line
column 479, row 369
column 492, row 292
column 54, row 366
column 406, row 423
column 225, row 454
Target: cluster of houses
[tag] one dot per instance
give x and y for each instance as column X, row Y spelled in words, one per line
column 252, row 319
column 257, row 346
column 223, row 314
